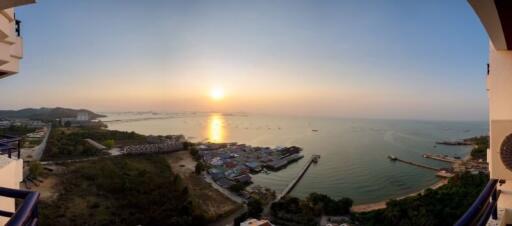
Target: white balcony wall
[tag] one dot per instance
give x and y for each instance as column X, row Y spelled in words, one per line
column 17, row 48
column 11, row 67
column 5, row 53
column 6, row 26
column 11, row 46
column 11, row 174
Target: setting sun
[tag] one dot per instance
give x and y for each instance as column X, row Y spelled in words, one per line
column 217, row 93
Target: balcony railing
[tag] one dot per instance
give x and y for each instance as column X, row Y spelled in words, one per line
column 17, row 24
column 27, row 213
column 483, row 208
column 10, row 145
column 18, row 28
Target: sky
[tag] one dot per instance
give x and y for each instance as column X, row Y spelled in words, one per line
column 336, row 58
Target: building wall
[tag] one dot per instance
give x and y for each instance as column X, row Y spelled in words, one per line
column 500, row 108
column 11, row 45
column 11, row 174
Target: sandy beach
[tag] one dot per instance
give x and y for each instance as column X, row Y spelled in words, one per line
column 382, row 204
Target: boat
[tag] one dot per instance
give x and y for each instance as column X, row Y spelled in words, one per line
column 314, row 130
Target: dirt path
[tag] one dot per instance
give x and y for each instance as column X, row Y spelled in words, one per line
column 208, row 200
column 47, row 189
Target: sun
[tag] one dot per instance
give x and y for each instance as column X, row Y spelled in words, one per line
column 217, row 93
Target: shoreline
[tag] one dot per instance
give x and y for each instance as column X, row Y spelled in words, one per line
column 361, row 208
column 382, row 204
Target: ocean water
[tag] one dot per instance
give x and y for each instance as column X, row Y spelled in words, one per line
column 353, row 152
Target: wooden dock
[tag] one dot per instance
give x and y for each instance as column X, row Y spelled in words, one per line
column 295, row 181
column 416, row 164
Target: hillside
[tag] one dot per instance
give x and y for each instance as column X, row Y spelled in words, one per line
column 46, row 113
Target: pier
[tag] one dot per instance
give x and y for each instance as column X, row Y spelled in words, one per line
column 295, row 181
column 393, row 158
column 441, row 158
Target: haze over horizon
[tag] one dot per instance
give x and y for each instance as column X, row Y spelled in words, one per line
column 393, row 59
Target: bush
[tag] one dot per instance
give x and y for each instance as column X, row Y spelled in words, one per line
column 237, row 188
column 35, row 169
column 255, row 208
column 199, row 167
column 109, row 143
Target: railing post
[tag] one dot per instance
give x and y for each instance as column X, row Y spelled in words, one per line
column 494, row 199
column 19, row 149
column 18, row 28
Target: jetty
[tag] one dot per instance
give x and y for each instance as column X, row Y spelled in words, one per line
column 394, row 158
column 299, row 176
column 455, row 143
column 442, row 158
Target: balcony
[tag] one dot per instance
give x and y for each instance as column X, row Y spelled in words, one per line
column 27, row 213
column 11, row 43
column 10, row 146
column 483, row 208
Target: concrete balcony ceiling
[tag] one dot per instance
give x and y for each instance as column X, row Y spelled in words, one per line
column 5, row 4
column 496, row 16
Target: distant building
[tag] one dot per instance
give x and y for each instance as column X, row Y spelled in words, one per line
column 81, row 119
column 82, row 116
column 255, row 222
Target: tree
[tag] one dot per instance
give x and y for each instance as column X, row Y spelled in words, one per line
column 109, row 143
column 199, row 167
column 35, row 169
column 344, row 205
column 255, row 208
column 188, row 145
column 237, row 187
column 67, row 124
column 195, row 153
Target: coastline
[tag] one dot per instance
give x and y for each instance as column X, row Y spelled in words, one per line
column 382, row 204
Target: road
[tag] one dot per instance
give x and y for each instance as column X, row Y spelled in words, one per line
column 228, row 220
column 36, row 152
column 224, row 191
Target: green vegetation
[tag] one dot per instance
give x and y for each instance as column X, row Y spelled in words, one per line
column 35, row 169
column 200, row 167
column 109, row 143
column 237, row 188
column 254, row 208
column 294, row 211
column 481, row 145
column 195, row 153
column 16, row 130
column 46, row 114
column 438, row 207
column 137, row 190
column 69, row 143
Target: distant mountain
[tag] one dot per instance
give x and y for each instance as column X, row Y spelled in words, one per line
column 46, row 113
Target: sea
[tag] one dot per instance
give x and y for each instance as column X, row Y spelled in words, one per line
column 353, row 152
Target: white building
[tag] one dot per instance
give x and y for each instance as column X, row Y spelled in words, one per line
column 11, row 52
column 496, row 17
column 82, row 116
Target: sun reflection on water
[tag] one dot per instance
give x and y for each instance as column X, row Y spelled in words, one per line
column 216, row 131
